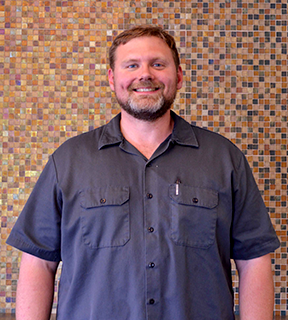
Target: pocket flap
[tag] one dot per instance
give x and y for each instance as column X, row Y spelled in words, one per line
column 193, row 196
column 104, row 196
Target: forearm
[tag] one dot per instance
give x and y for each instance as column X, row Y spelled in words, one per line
column 256, row 289
column 35, row 289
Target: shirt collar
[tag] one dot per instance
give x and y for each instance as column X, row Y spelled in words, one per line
column 111, row 133
column 182, row 133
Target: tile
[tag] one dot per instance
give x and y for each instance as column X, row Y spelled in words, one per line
column 53, row 85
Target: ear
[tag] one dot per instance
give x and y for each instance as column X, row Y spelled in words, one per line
column 179, row 78
column 111, row 79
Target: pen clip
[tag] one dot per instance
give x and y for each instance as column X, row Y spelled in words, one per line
column 177, row 186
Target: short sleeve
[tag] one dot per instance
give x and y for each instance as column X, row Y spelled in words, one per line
column 37, row 230
column 252, row 232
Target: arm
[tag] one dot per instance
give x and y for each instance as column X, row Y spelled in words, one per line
column 256, row 288
column 35, row 289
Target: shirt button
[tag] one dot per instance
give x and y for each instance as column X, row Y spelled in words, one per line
column 102, row 201
column 151, row 301
column 151, row 265
column 151, row 229
column 149, row 195
column 195, row 200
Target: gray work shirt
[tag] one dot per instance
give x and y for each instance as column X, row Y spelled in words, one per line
column 145, row 239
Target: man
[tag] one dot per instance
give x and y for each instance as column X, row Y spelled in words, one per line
column 146, row 212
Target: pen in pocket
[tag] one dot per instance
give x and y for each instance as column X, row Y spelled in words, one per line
column 177, row 186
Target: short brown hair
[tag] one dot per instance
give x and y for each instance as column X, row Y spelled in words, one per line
column 143, row 31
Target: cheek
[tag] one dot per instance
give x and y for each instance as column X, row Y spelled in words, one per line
column 121, row 89
column 170, row 85
column 169, row 79
column 122, row 81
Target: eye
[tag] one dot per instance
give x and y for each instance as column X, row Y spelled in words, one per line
column 132, row 66
column 158, row 65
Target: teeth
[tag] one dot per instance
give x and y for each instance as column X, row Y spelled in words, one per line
column 145, row 90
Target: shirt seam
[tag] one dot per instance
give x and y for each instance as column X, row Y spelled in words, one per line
column 43, row 254
column 237, row 169
column 258, row 251
column 59, row 197
column 55, row 168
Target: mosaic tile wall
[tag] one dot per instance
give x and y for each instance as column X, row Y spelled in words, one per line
column 53, row 62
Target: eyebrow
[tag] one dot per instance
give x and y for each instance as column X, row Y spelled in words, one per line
column 129, row 61
column 135, row 60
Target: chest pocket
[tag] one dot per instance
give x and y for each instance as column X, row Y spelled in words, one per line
column 105, row 216
column 193, row 215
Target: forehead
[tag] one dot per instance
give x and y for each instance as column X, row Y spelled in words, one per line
column 143, row 47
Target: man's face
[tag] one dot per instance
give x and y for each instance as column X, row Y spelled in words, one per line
column 145, row 79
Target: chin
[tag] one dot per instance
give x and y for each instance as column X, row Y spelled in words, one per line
column 147, row 114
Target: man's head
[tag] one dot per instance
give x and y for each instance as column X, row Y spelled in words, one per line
column 143, row 31
column 145, row 72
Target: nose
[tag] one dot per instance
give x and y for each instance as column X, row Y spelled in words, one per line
column 146, row 73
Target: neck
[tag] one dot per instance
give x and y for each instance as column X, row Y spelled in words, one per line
column 144, row 135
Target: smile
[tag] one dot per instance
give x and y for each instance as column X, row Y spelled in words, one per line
column 146, row 89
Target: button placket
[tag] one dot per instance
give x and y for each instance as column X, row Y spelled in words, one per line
column 152, row 242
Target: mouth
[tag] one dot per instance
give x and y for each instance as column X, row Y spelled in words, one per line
column 146, row 89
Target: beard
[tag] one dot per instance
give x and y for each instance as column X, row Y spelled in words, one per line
column 146, row 107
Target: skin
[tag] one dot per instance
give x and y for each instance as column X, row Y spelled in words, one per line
column 256, row 288
column 35, row 288
column 144, row 72
column 146, row 64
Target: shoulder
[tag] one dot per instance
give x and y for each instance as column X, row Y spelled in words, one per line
column 189, row 134
column 217, row 147
column 208, row 136
column 79, row 144
column 93, row 140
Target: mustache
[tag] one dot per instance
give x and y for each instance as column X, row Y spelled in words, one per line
column 146, row 84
